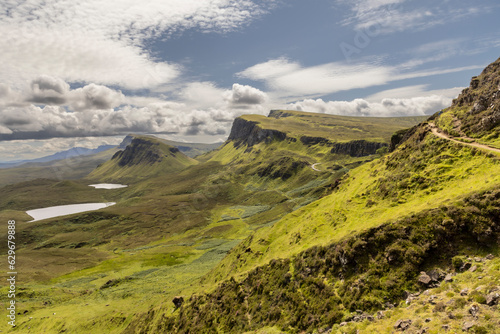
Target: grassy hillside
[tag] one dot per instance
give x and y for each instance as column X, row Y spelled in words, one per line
column 346, row 252
column 168, row 229
column 332, row 127
column 362, row 273
column 358, row 248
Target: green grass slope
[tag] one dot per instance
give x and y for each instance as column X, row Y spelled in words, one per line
column 358, row 248
column 143, row 158
column 425, row 172
column 326, row 285
column 168, row 229
column 333, row 127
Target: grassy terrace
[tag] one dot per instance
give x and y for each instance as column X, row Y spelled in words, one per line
column 335, row 128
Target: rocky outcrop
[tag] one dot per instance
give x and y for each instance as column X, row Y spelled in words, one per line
column 125, row 142
column 482, row 98
column 400, row 137
column 357, row 148
column 249, row 133
column 280, row 114
column 139, row 151
column 313, row 140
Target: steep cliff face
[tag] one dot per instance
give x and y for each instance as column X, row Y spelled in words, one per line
column 249, row 133
column 357, row 148
column 482, row 102
column 246, row 132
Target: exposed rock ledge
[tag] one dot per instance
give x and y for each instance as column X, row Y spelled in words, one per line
column 249, row 133
column 357, row 148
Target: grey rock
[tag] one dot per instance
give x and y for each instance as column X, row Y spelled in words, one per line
column 402, row 325
column 464, row 292
column 467, row 325
column 465, row 266
column 448, row 278
column 424, row 279
column 435, row 275
column 492, row 299
column 474, row 310
column 473, row 269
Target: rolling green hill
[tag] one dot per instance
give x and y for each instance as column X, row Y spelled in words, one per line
column 360, row 247
column 300, row 222
column 145, row 157
column 174, row 223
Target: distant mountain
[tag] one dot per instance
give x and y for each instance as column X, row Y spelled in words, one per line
column 72, row 152
column 144, row 157
column 190, row 149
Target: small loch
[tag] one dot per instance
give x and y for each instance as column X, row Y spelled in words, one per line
column 63, row 210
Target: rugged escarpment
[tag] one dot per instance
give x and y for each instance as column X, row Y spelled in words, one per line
column 401, row 136
column 480, row 103
column 357, row 148
column 245, row 132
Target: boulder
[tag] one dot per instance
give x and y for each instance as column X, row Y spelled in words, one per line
column 474, row 310
column 448, row 278
column 424, row 279
column 402, row 325
column 492, row 299
column 178, row 301
column 467, row 325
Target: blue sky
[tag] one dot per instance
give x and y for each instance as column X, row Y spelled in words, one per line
column 85, row 74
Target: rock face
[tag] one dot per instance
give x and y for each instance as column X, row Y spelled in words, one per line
column 402, row 325
column 357, row 148
column 246, row 132
column 400, row 137
column 314, row 140
column 139, row 151
column 482, row 98
column 493, row 298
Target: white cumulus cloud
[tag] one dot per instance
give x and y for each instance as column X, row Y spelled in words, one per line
column 417, row 106
column 103, row 42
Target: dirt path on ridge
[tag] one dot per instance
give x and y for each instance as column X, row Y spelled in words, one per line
column 436, row 131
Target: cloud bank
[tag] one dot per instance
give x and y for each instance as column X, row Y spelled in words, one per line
column 103, row 42
column 50, row 108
